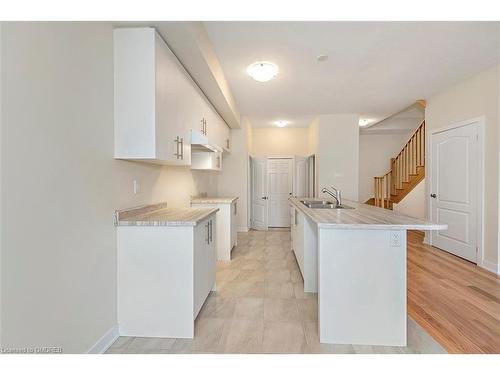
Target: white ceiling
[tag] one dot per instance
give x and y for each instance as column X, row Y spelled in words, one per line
column 374, row 68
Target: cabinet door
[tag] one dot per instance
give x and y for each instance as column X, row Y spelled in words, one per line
column 211, row 251
column 234, row 218
column 299, row 241
column 226, row 137
column 166, row 102
column 200, row 269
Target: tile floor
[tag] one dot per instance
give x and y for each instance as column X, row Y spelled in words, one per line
column 260, row 307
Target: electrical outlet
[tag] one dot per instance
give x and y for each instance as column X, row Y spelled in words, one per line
column 137, row 187
column 395, row 239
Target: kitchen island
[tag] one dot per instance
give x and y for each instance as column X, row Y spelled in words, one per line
column 355, row 259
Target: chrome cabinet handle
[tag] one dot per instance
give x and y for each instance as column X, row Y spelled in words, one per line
column 296, row 218
column 211, row 231
column 264, row 198
column 208, row 232
column 433, row 195
column 182, row 148
column 236, row 208
column 176, row 154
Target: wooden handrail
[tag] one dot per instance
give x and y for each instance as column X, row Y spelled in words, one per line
column 405, row 165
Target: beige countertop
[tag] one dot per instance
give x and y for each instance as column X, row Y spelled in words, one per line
column 213, row 200
column 160, row 215
column 363, row 216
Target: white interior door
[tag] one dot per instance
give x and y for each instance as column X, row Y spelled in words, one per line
column 280, row 179
column 454, row 174
column 259, row 193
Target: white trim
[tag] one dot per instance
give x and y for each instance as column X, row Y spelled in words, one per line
column 105, row 341
column 480, row 122
column 490, row 266
column 242, row 229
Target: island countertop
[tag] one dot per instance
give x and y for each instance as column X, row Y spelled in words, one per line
column 160, row 215
column 363, row 216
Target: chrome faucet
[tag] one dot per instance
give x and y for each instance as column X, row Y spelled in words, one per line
column 335, row 194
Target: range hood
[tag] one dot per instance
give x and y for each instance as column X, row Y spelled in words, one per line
column 199, row 142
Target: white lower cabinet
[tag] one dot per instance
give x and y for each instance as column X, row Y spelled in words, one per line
column 165, row 274
column 226, row 226
column 304, row 244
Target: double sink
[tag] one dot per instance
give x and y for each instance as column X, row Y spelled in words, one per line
column 324, row 204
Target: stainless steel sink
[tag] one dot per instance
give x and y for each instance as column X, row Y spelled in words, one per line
column 324, row 205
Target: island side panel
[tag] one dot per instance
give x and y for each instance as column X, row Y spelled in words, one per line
column 362, row 287
column 155, row 281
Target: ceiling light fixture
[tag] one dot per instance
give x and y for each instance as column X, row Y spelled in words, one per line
column 281, row 123
column 322, row 58
column 263, row 71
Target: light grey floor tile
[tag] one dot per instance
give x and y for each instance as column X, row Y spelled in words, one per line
column 279, row 290
column 284, row 337
column 121, row 344
column 207, row 335
column 308, row 310
column 217, row 307
column 242, row 336
column 148, row 345
column 249, row 308
column 281, row 310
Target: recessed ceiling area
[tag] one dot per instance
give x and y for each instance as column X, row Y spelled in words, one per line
column 374, row 69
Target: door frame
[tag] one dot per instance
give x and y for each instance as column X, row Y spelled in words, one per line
column 480, row 122
column 267, row 157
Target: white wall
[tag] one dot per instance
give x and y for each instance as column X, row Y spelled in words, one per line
column 475, row 97
column 280, row 142
column 60, row 185
column 413, row 204
column 375, row 153
column 338, row 153
column 233, row 179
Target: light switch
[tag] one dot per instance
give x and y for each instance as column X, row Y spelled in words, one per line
column 137, row 187
column 395, row 239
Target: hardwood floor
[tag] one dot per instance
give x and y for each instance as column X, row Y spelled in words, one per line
column 455, row 301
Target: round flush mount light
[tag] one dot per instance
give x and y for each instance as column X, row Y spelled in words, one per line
column 281, row 123
column 365, row 121
column 263, row 71
column 322, row 58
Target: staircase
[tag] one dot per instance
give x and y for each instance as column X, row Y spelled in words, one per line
column 407, row 170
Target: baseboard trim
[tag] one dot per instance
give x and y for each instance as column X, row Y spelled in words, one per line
column 242, row 229
column 105, row 341
column 490, row 266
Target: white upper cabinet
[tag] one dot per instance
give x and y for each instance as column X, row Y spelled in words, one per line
column 157, row 103
column 146, row 100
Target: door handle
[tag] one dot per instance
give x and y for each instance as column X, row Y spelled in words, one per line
column 211, row 231
column 433, row 195
column 264, row 198
column 182, row 148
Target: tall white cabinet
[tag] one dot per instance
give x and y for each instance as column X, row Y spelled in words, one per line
column 157, row 103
